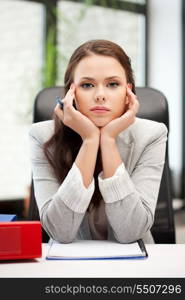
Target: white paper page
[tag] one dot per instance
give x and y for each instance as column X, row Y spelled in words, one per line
column 89, row 248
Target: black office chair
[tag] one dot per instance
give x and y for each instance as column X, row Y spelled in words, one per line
column 153, row 106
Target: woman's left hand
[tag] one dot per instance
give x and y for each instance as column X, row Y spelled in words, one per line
column 117, row 125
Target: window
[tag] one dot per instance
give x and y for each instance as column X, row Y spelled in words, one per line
column 78, row 23
column 32, row 33
column 21, row 62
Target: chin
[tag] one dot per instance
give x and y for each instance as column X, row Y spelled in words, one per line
column 101, row 123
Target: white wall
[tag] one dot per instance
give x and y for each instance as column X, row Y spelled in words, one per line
column 165, row 71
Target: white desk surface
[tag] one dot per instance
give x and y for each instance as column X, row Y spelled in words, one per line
column 164, row 260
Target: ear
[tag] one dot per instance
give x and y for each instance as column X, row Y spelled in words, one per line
column 129, row 85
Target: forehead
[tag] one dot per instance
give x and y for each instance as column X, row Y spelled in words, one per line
column 99, row 66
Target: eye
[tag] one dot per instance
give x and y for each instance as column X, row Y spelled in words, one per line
column 113, row 84
column 86, row 85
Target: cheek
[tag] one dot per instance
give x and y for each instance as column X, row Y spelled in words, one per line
column 119, row 105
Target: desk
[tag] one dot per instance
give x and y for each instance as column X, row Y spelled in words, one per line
column 165, row 260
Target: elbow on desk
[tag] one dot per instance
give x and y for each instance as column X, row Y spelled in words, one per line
column 127, row 239
column 125, row 236
column 63, row 241
column 57, row 233
column 59, row 237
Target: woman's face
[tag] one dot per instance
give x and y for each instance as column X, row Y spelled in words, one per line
column 100, row 88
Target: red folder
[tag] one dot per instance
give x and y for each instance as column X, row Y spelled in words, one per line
column 20, row 240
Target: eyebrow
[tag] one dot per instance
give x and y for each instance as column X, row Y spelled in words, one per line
column 90, row 78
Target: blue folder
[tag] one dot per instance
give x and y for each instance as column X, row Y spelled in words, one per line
column 7, row 218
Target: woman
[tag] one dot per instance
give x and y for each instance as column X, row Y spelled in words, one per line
column 96, row 167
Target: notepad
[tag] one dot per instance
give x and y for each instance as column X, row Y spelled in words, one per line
column 91, row 249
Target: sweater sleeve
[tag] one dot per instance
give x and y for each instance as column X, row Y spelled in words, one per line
column 61, row 207
column 111, row 188
column 130, row 199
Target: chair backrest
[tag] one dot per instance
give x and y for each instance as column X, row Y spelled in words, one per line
column 153, row 106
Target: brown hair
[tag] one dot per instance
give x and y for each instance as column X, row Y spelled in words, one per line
column 66, row 142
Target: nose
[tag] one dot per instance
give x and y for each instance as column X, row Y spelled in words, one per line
column 100, row 97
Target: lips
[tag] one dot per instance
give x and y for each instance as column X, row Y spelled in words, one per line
column 99, row 108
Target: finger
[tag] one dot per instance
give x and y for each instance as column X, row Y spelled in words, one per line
column 60, row 102
column 129, row 91
column 58, row 109
column 132, row 98
column 70, row 95
column 59, row 112
column 136, row 105
column 129, row 95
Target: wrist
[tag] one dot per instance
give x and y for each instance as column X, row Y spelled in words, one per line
column 93, row 136
column 94, row 139
column 107, row 140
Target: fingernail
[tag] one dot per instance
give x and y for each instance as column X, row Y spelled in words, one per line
column 72, row 85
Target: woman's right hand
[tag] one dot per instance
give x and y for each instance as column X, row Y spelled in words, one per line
column 75, row 119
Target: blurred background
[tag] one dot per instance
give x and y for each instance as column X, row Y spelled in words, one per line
column 37, row 37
